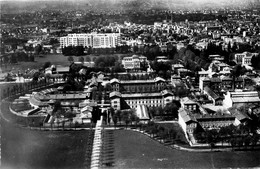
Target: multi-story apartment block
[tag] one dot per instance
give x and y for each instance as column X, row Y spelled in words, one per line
column 94, row 40
column 109, row 40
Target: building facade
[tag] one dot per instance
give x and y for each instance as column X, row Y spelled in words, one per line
column 241, row 98
column 134, row 62
column 138, row 86
column 133, row 93
column 94, row 40
column 132, row 101
column 244, row 58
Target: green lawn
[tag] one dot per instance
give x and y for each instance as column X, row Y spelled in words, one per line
column 135, row 150
column 56, row 59
column 31, row 149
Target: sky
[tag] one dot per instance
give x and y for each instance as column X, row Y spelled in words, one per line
column 165, row 3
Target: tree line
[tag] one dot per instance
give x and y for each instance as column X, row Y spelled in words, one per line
column 17, row 57
column 73, row 51
column 169, row 112
column 235, row 136
column 125, row 117
column 163, row 133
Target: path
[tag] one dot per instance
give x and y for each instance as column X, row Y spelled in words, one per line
column 97, row 145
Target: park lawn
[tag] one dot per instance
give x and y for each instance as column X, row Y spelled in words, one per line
column 135, row 150
column 56, row 59
column 33, row 149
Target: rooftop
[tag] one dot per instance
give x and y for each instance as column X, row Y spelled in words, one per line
column 115, row 94
column 186, row 100
column 184, row 113
column 141, row 95
column 245, row 99
column 211, row 93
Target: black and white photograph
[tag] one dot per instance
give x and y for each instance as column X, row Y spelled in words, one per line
column 129, row 84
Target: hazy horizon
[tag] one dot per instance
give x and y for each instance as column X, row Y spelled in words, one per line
column 14, row 6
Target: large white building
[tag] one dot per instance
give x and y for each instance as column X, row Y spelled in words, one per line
column 94, row 40
column 133, row 62
column 244, row 58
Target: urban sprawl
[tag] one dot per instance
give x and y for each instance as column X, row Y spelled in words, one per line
column 201, row 72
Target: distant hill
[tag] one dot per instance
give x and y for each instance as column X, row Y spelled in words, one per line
column 16, row 6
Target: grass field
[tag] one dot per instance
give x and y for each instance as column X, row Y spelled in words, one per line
column 56, row 59
column 135, row 150
column 30, row 149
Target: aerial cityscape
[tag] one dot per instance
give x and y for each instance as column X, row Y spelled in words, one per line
column 129, row 84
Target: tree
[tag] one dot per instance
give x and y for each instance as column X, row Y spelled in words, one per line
column 212, row 137
column 13, row 58
column 255, row 61
column 172, row 134
column 162, row 133
column 114, row 116
column 31, row 58
column 87, row 59
column 46, row 65
column 53, row 41
column 247, row 139
column 56, row 107
column 76, row 125
column 126, row 116
column 135, row 49
column 63, row 124
column 105, row 61
column 38, row 49
column 238, row 71
column 118, row 67
column 5, row 59
column 70, row 59
column 154, row 130
column 172, row 108
column 36, row 76
column 81, row 59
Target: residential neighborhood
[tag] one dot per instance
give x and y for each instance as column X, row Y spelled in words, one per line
column 98, row 75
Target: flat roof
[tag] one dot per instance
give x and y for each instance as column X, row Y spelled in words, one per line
column 142, row 95
column 65, row 96
column 245, row 99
